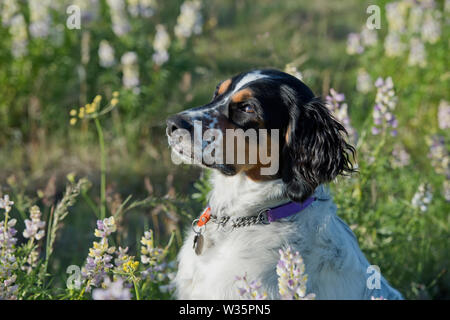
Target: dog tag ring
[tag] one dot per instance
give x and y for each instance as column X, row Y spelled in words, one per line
column 198, row 238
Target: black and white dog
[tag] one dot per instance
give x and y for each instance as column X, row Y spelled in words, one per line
column 251, row 215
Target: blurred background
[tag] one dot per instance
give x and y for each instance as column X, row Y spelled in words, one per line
column 389, row 86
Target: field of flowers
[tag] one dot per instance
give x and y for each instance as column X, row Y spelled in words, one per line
column 91, row 206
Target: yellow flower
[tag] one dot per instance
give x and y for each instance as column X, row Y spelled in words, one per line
column 73, row 121
column 115, row 94
column 98, row 98
column 114, row 102
column 73, row 112
column 81, row 113
column 90, row 108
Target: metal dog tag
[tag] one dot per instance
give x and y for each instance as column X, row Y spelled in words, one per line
column 198, row 244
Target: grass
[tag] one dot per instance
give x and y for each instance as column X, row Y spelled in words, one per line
column 125, row 158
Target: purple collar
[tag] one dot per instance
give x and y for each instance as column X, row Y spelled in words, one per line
column 285, row 210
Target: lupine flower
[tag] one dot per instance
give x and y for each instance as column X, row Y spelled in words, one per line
column 335, row 103
column 112, row 290
column 293, row 71
column 396, row 13
column 369, row 37
column 439, row 155
column 5, row 203
column 106, row 54
column 400, row 157
column 18, row 31
column 250, row 290
column 444, row 115
column 40, row 18
column 9, row 9
column 291, row 276
column 89, row 10
column 130, row 70
column 422, row 198
column 415, row 19
column 98, row 262
column 354, row 44
column 364, row 81
column 105, row 227
column 385, row 102
column 161, row 44
column 119, row 19
column 154, row 258
column 8, row 261
column 144, row 8
column 393, row 45
column 417, row 54
column 34, row 227
column 431, row 28
column 446, row 190
column 190, row 20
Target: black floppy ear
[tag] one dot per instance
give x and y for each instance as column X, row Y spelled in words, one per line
column 315, row 151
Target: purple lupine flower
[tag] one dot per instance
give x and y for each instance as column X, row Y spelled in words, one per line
column 400, row 157
column 250, row 290
column 364, row 81
column 291, row 276
column 444, row 115
column 385, row 102
column 112, row 290
column 354, row 44
column 34, row 228
column 439, row 155
column 422, row 198
column 340, row 111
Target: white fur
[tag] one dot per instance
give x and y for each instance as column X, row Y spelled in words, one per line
column 336, row 267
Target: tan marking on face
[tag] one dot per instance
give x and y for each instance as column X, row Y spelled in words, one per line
column 288, row 132
column 242, row 95
column 224, row 86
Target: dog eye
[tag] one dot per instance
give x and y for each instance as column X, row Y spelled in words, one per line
column 248, row 108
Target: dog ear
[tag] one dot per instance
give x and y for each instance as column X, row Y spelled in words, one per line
column 315, row 151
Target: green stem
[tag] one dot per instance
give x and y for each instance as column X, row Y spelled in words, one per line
column 136, row 290
column 101, row 141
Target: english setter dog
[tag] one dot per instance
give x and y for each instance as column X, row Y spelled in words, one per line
column 250, row 215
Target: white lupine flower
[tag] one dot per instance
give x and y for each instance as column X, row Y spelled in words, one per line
column 364, row 81
column 431, row 28
column 354, row 44
column 119, row 19
column 8, row 10
column 5, row 203
column 34, row 227
column 415, row 19
column 396, row 13
column 293, row 71
column 417, row 54
column 385, row 102
column 161, row 44
column 291, row 276
column 190, row 20
column 106, row 54
column 444, row 115
column 422, row 198
column 18, row 30
column 89, row 9
column 250, row 290
column 130, row 70
column 446, row 190
column 112, row 290
column 369, row 37
column 400, row 157
column 145, row 8
column 393, row 46
column 40, row 18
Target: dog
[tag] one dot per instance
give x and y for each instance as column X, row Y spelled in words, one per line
column 234, row 237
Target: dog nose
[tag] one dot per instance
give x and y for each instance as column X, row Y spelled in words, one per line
column 177, row 122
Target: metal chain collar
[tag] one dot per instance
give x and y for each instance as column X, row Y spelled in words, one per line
column 239, row 222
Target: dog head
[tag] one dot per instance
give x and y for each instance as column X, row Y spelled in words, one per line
column 311, row 144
